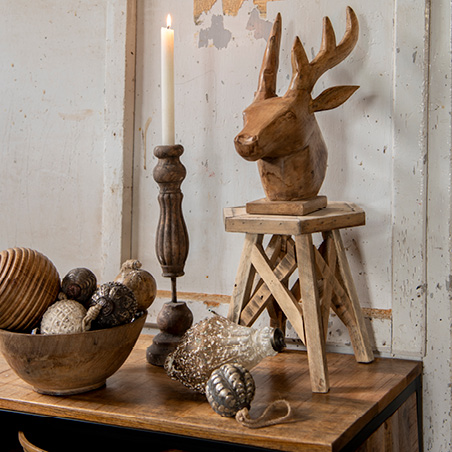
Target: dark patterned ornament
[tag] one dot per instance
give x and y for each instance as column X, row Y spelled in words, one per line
column 230, row 389
column 112, row 304
column 215, row 341
column 79, row 284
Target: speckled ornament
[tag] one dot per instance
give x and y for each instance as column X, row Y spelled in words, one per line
column 141, row 282
column 215, row 341
column 230, row 389
column 63, row 317
column 79, row 284
column 112, row 304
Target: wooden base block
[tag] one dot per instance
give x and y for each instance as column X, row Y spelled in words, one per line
column 302, row 207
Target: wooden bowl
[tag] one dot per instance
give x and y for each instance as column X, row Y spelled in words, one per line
column 29, row 283
column 63, row 364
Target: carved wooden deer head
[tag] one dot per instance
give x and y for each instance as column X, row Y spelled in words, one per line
column 282, row 133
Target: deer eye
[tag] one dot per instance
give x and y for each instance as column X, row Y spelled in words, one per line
column 290, row 115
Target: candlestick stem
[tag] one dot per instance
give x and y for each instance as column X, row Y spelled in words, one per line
column 173, row 290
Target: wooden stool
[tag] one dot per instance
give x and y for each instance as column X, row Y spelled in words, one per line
column 324, row 279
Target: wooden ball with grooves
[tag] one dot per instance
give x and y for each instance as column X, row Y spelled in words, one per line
column 29, row 284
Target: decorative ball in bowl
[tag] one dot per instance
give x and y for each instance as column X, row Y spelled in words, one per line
column 64, row 364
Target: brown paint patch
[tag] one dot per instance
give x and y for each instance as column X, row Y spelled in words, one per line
column 207, row 298
column 230, row 7
column 262, row 6
column 201, row 6
column 378, row 313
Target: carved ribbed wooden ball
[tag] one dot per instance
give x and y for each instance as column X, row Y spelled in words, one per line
column 79, row 284
column 63, row 317
column 114, row 304
column 229, row 389
column 29, row 284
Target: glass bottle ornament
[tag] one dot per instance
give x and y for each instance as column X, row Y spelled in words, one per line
column 215, row 341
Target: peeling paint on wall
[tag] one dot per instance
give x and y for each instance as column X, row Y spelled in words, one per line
column 261, row 28
column 230, row 7
column 201, row 6
column 216, row 34
column 77, row 116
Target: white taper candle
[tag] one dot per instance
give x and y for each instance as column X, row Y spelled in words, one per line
column 167, row 82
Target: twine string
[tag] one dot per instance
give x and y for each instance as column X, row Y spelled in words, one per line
column 91, row 315
column 265, row 419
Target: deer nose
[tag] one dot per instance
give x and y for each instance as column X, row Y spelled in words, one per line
column 245, row 139
column 247, row 146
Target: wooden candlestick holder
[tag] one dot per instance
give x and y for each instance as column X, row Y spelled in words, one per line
column 172, row 250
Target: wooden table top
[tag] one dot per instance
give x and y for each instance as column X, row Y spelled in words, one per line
column 142, row 396
column 336, row 215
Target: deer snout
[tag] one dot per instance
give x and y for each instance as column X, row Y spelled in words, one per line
column 247, row 146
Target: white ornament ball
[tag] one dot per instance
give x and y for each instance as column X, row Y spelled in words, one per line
column 63, row 317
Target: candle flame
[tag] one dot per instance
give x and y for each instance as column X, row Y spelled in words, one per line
column 168, row 21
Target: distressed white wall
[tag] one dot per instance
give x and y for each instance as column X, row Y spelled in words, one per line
column 217, row 64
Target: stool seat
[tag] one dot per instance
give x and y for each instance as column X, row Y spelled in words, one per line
column 335, row 216
column 324, row 278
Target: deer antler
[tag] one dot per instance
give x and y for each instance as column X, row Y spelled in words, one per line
column 270, row 63
column 306, row 74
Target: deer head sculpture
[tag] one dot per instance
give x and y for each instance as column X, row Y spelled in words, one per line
column 282, row 133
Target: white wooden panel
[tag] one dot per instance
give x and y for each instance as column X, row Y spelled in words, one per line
column 52, row 64
column 437, row 362
column 409, row 178
column 119, row 122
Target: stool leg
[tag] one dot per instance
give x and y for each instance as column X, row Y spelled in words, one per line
column 363, row 349
column 244, row 279
column 315, row 341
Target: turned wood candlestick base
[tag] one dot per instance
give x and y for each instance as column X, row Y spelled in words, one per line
column 174, row 319
column 171, row 247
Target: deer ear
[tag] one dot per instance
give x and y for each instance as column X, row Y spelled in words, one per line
column 331, row 98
